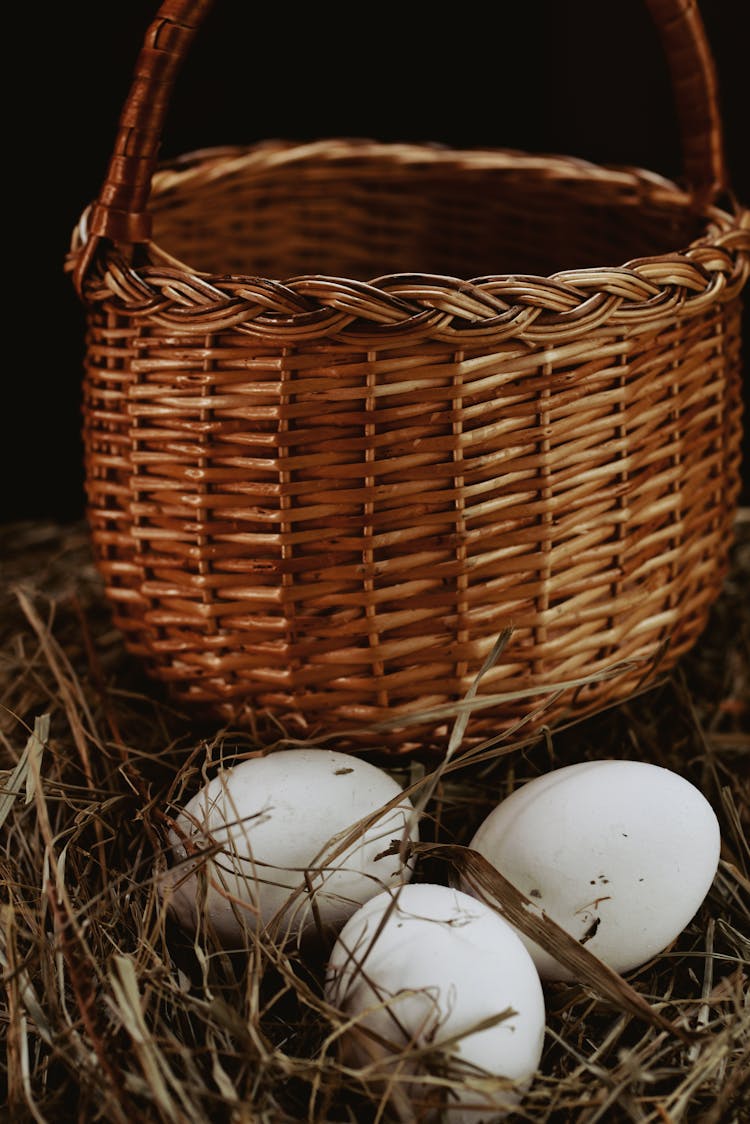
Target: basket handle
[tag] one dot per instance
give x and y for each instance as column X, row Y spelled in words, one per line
column 120, row 213
column 696, row 93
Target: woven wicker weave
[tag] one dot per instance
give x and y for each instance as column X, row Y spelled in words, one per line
column 354, row 409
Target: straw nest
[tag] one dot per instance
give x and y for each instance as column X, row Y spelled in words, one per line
column 112, row 1013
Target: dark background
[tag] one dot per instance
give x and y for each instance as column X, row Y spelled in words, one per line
column 581, row 77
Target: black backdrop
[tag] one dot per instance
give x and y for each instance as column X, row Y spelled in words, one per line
column 581, row 77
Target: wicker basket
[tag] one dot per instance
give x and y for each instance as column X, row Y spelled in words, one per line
column 322, row 499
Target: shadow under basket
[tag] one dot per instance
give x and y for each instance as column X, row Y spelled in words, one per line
column 317, row 502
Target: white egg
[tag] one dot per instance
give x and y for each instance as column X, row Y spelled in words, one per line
column 621, row 854
column 271, row 822
column 427, row 965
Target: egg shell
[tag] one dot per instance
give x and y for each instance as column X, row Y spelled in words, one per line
column 428, row 964
column 621, row 854
column 273, row 818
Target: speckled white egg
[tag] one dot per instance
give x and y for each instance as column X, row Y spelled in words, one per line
column 621, row 854
column 424, row 968
column 270, row 825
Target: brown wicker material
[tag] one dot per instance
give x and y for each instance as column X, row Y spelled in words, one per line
column 325, row 469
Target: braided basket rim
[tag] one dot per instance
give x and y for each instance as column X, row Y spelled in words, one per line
column 404, row 307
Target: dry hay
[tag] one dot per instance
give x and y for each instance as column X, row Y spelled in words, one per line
column 112, row 1013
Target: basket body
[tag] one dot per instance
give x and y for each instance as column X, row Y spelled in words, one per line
column 322, row 500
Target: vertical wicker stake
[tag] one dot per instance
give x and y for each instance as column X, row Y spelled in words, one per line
column 352, row 410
